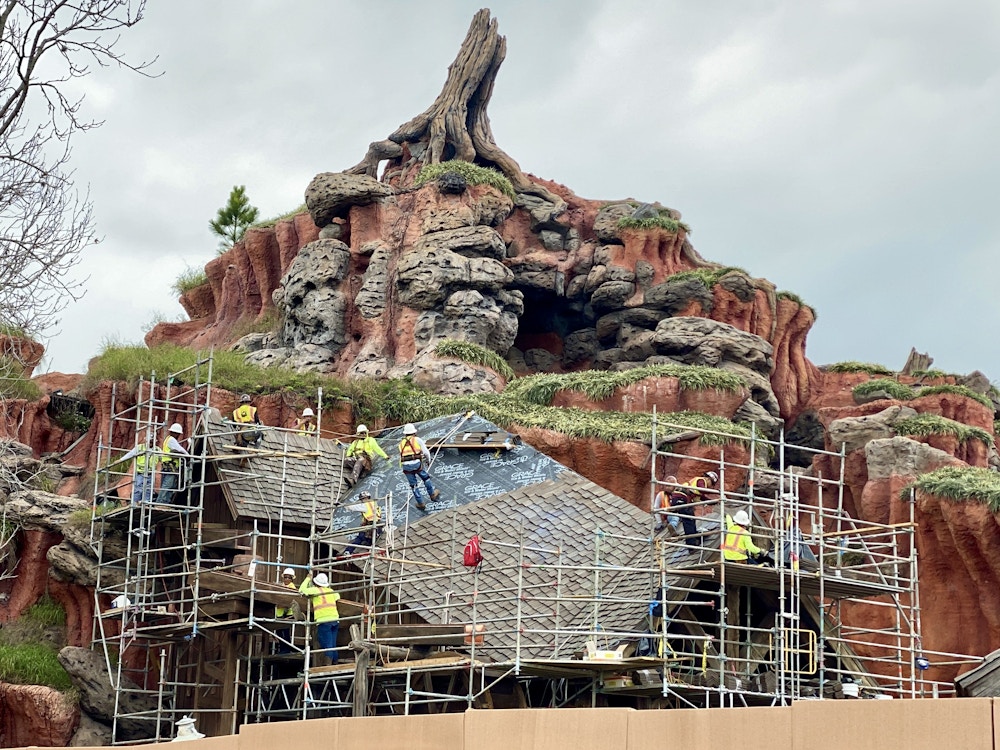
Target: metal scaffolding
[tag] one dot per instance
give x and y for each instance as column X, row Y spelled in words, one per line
column 618, row 614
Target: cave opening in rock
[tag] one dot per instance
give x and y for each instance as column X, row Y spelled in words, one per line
column 554, row 334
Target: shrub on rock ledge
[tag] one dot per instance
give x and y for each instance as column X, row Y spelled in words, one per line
column 924, row 425
column 472, row 173
column 959, row 483
column 474, row 354
column 601, row 384
column 872, row 368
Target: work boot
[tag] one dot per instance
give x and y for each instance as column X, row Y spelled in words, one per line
column 436, row 495
column 421, row 506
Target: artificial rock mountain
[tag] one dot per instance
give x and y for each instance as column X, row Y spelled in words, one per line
column 383, row 268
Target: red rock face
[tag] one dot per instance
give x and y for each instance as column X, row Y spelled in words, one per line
column 35, row 715
column 240, row 284
column 25, row 352
column 665, row 394
column 32, row 573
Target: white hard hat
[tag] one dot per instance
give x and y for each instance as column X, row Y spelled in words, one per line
column 361, row 428
column 288, row 572
column 712, row 475
column 409, row 429
column 321, row 580
column 245, row 398
column 176, row 427
column 120, row 602
column 307, row 412
column 742, row 518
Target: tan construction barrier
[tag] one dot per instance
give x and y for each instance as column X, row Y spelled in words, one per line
column 959, row 724
column 947, row 724
column 529, row 728
column 711, row 728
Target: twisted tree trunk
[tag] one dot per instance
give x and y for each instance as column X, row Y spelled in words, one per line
column 456, row 125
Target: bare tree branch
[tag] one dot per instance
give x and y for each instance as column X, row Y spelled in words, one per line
column 45, row 222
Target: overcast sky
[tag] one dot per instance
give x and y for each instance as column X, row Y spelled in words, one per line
column 847, row 151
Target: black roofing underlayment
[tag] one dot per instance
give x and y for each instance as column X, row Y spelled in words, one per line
column 462, row 476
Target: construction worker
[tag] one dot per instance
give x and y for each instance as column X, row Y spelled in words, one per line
column 144, row 460
column 737, row 546
column 246, row 414
column 371, row 514
column 170, row 464
column 285, row 613
column 413, row 454
column 661, row 503
column 306, row 424
column 683, row 497
column 361, row 454
column 323, row 601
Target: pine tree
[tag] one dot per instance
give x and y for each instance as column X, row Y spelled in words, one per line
column 233, row 219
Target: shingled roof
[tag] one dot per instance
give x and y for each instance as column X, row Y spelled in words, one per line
column 252, row 481
column 461, row 475
column 567, row 521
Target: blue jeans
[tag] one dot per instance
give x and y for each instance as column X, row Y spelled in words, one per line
column 168, row 484
column 142, row 488
column 414, row 469
column 326, row 634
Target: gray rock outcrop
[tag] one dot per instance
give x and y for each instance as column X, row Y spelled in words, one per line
column 91, row 733
column 330, row 195
column 856, row 432
column 901, row 456
column 34, row 509
column 314, row 308
column 89, row 674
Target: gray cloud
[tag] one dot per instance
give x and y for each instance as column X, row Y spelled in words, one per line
column 844, row 150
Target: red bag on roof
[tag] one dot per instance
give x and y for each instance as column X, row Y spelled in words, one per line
column 472, row 555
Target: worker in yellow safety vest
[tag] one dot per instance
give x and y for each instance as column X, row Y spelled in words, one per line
column 661, row 504
column 683, row 498
column 323, row 601
column 361, row 454
column 413, row 455
column 143, row 457
column 737, row 546
column 285, row 613
column 371, row 514
column 246, row 414
column 170, row 464
column 306, row 424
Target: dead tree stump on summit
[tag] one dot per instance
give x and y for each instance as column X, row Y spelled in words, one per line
column 456, row 125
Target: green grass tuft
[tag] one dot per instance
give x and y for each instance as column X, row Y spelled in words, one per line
column 959, row 484
column 265, row 223
column 958, row 390
column 271, row 321
column 871, row 368
column 46, row 612
column 894, row 388
column 793, row 297
column 473, row 174
column 708, row 276
column 475, row 354
column 401, row 401
column 600, row 384
column 189, row 278
column 229, row 371
column 658, row 222
column 923, row 425
column 32, row 664
column 933, row 374
column 13, row 384
column 14, row 331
